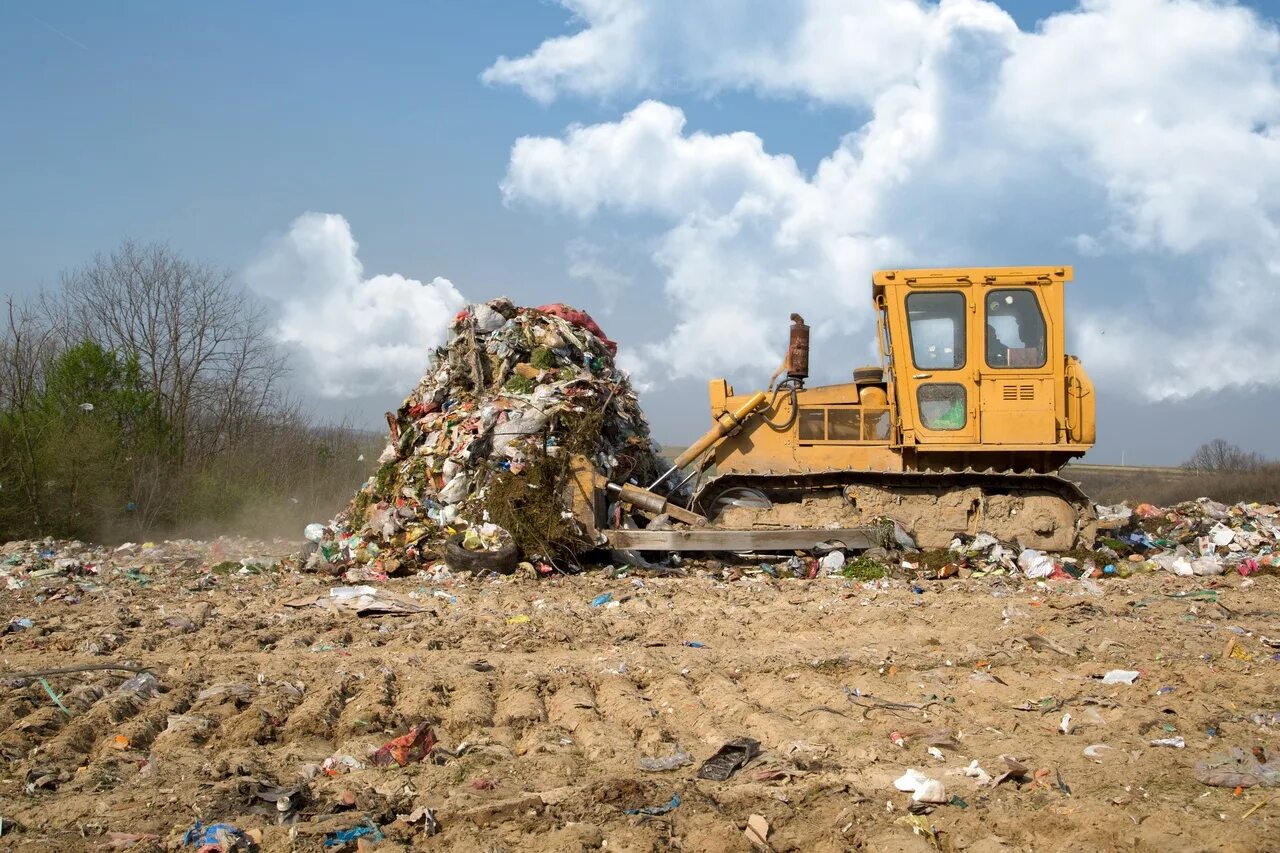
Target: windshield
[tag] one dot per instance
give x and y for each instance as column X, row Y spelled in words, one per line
column 1015, row 329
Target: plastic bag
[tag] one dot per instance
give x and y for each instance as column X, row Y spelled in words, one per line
column 1035, row 564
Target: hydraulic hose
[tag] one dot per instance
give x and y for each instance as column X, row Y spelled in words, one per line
column 788, row 385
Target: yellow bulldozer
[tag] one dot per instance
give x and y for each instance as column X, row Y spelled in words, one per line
column 962, row 428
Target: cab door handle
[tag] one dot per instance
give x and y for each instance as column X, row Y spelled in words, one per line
column 923, row 376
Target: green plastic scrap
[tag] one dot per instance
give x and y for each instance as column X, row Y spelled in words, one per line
column 54, row 697
column 1196, row 595
column 1210, row 595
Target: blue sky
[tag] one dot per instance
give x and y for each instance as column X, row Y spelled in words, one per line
column 213, row 127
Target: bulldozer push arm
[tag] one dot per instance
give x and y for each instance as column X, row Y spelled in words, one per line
column 726, row 425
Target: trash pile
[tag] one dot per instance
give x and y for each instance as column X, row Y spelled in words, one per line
column 45, row 563
column 478, row 455
column 65, row 569
column 1200, row 537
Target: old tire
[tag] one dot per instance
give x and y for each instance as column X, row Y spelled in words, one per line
column 459, row 559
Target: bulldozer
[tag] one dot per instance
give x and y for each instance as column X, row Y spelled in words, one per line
column 962, row 428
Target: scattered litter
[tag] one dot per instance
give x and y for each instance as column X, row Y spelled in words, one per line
column 1235, row 650
column 757, row 830
column 921, row 787
column 360, row 600
column 677, row 759
column 729, row 759
column 1036, row 564
column 1171, row 742
column 1121, row 676
column 920, row 825
column 367, row 829
column 1238, row 768
column 975, row 771
column 653, row 811
column 406, row 749
column 286, row 801
column 602, row 599
column 336, row 765
column 426, row 817
column 1094, row 751
column 216, row 838
column 1014, row 769
column 832, row 562
column 57, row 700
column 44, row 777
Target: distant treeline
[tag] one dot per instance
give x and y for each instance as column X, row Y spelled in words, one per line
column 144, row 397
column 1218, row 469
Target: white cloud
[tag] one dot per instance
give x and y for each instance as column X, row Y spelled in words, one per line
column 1161, row 102
column 837, row 51
column 1141, row 133
column 359, row 335
column 644, row 164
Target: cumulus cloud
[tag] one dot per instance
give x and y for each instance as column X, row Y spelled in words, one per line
column 838, row 51
column 1140, row 133
column 358, row 335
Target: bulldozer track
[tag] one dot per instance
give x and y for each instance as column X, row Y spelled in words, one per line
column 906, row 485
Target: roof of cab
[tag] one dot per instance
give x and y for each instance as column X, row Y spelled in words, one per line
column 989, row 275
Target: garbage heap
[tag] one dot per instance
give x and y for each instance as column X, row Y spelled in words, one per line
column 67, row 569
column 481, row 447
column 1200, row 537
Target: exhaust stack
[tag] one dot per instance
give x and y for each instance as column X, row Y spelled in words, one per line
column 798, row 350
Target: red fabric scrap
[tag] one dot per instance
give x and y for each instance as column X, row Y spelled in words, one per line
column 407, row 748
column 418, row 410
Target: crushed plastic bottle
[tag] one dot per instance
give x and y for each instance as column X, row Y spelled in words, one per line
column 143, row 686
column 676, row 760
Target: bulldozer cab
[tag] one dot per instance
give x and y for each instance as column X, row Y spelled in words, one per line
column 976, row 356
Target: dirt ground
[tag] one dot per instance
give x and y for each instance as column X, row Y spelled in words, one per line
column 557, row 701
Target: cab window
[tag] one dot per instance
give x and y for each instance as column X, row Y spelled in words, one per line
column 1015, row 330
column 943, row 405
column 935, row 322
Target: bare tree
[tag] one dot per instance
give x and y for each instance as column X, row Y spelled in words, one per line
column 202, row 341
column 188, row 425
column 26, row 348
column 1222, row 455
